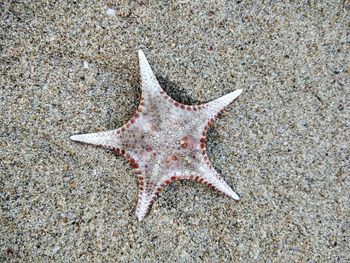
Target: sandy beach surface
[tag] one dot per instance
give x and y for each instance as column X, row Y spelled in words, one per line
column 283, row 146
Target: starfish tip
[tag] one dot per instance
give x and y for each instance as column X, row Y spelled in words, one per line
column 236, row 93
column 140, row 53
column 140, row 216
column 235, row 197
column 74, row 137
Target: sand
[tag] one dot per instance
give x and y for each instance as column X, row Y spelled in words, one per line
column 72, row 68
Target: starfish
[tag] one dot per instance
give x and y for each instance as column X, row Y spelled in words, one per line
column 165, row 140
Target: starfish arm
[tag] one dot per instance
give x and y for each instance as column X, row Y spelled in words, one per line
column 149, row 83
column 210, row 177
column 144, row 204
column 148, row 192
column 214, row 108
column 107, row 139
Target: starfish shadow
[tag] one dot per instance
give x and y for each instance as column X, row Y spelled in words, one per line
column 178, row 94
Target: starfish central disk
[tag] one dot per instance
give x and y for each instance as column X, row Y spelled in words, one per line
column 164, row 141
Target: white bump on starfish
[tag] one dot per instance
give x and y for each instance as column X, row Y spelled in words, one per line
column 165, row 140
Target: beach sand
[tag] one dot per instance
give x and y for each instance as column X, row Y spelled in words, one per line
column 283, row 146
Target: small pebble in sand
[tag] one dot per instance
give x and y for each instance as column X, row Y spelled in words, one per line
column 86, row 64
column 110, row 12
